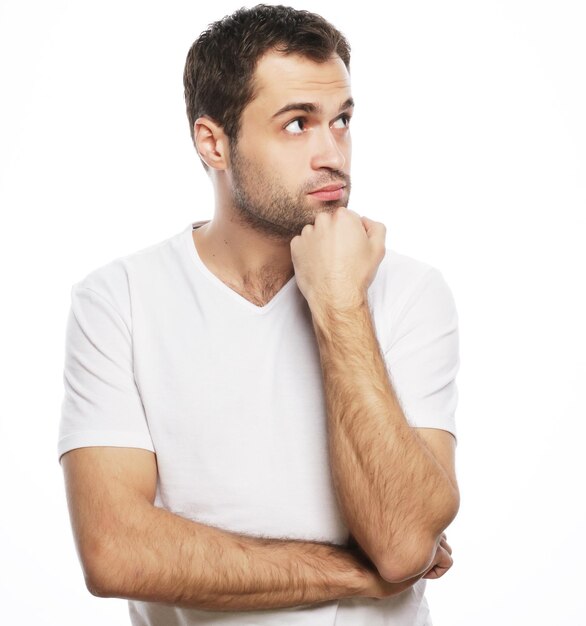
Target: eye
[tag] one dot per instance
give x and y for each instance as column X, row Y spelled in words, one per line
column 345, row 117
column 299, row 120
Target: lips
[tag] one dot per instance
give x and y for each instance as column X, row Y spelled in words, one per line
column 333, row 187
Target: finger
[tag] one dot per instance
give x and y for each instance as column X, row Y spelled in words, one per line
column 446, row 546
column 439, row 569
column 376, row 233
column 436, row 572
column 369, row 225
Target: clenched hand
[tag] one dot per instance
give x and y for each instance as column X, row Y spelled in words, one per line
column 336, row 258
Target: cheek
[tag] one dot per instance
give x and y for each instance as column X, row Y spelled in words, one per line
column 285, row 164
column 285, row 168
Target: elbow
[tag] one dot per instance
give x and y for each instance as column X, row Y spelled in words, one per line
column 98, row 589
column 100, row 573
column 414, row 555
column 100, row 586
column 408, row 565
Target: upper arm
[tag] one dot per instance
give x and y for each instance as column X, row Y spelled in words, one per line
column 104, row 487
column 102, row 406
column 423, row 361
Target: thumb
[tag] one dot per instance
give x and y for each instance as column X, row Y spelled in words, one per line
column 367, row 223
column 376, row 231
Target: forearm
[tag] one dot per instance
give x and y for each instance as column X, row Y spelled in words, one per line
column 165, row 558
column 395, row 496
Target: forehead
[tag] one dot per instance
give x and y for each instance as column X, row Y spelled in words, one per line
column 281, row 79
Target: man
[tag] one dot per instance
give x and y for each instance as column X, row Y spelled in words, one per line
column 258, row 422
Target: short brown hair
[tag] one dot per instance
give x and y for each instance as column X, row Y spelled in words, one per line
column 219, row 69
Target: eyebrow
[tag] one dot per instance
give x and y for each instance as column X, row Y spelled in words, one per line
column 310, row 107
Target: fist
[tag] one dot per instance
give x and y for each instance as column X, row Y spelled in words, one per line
column 336, row 258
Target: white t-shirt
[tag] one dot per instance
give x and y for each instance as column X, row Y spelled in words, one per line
column 162, row 355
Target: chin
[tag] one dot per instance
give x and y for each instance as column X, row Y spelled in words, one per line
column 329, row 206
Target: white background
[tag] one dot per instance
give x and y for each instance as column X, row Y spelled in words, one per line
column 469, row 140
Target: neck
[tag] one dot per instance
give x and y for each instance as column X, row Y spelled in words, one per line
column 242, row 255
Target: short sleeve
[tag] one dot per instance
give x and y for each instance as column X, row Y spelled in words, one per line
column 101, row 405
column 423, row 358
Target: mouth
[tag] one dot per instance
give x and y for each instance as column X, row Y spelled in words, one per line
column 329, row 192
column 332, row 187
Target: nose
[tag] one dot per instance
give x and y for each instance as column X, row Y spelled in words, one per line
column 327, row 151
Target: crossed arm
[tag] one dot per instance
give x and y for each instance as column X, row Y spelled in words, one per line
column 397, row 492
column 130, row 548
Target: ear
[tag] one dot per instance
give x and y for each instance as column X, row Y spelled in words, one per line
column 211, row 143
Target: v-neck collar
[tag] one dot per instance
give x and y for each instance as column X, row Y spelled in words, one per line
column 203, row 268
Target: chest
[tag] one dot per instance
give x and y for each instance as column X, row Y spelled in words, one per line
column 236, row 411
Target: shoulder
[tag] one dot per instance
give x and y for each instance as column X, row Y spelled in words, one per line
column 113, row 281
column 400, row 277
column 404, row 270
column 404, row 290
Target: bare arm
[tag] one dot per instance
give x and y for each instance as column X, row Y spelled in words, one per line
column 131, row 549
column 396, row 496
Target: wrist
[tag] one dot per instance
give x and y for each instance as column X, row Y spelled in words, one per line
column 328, row 316
column 360, row 581
column 341, row 305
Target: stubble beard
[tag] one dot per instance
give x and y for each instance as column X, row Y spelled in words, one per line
column 263, row 204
